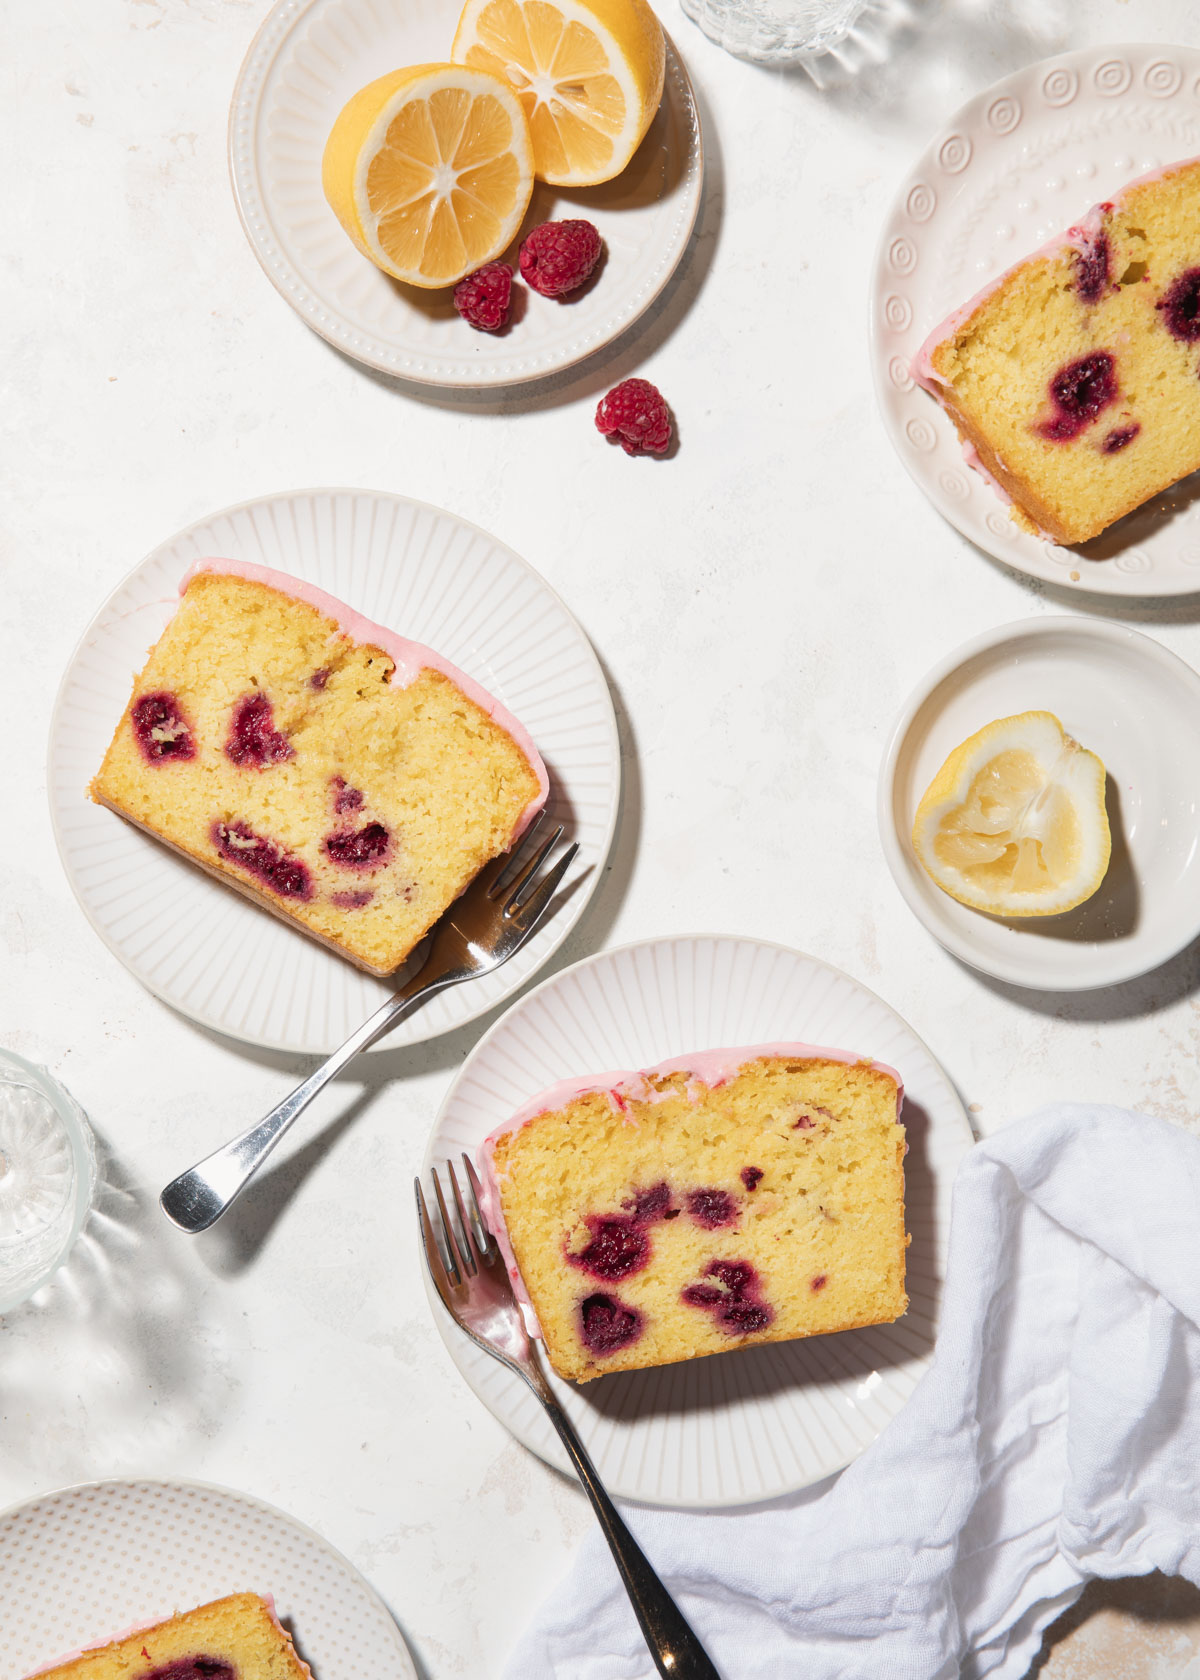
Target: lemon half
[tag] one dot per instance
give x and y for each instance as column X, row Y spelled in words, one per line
column 1014, row 822
column 589, row 74
column 429, row 170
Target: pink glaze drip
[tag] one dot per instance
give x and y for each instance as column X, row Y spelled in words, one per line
column 409, row 658
column 704, row 1068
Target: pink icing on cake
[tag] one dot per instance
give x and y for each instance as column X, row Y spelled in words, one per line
column 410, row 658
column 711, row 1068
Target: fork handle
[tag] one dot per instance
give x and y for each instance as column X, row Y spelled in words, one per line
column 198, row 1197
column 677, row 1653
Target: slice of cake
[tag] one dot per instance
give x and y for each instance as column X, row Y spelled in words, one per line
column 1074, row 379
column 715, row 1201
column 237, row 1638
column 331, row 771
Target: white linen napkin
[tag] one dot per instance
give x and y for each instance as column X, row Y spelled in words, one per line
column 1056, row 1436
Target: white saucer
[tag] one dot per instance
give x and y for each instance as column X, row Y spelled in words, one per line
column 206, row 950
column 1017, row 164
column 739, row 1426
column 1124, row 697
column 306, row 61
column 86, row 1564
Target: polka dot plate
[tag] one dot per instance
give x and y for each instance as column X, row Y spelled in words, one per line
column 1018, row 164
column 84, row 1565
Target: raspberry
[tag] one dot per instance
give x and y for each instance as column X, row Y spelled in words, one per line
column 558, row 256
column 482, row 299
column 636, row 414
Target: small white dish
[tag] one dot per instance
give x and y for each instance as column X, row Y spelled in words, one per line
column 1125, row 698
column 306, row 61
column 741, row 1426
column 86, row 1564
column 209, row 952
column 1016, row 165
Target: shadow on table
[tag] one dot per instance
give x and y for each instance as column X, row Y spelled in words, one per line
column 1149, row 1625
column 1163, row 986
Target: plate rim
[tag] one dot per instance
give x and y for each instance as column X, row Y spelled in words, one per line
column 893, row 844
column 453, row 1337
column 585, row 893
column 172, row 1484
column 246, row 103
column 1116, row 584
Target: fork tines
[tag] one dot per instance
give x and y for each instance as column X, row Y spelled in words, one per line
column 455, row 1253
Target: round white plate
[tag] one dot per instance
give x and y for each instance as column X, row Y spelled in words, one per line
column 746, row 1425
column 206, row 950
column 86, row 1564
column 1127, row 699
column 1015, row 166
column 306, row 61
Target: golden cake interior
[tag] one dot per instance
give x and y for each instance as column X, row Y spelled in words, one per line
column 1072, row 471
column 238, row 1638
column 355, row 807
column 693, row 1219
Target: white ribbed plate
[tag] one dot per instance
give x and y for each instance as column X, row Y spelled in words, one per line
column 745, row 1425
column 306, row 61
column 1015, row 166
column 84, row 1565
column 211, row 953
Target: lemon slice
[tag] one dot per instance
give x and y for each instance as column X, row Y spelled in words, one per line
column 588, row 72
column 429, row 170
column 1014, row 822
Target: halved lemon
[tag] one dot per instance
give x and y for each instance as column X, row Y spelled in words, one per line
column 588, row 72
column 1014, row 822
column 429, row 170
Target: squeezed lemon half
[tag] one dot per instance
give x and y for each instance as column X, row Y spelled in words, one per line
column 589, row 74
column 429, row 170
column 1014, row 822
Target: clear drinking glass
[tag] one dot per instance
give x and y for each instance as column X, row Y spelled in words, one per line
column 775, row 31
column 47, row 1176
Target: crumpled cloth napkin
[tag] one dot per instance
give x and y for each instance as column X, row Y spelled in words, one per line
column 1055, row 1436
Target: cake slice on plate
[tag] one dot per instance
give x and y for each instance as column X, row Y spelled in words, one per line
column 1074, row 379
column 235, row 1638
column 716, row 1201
column 349, row 780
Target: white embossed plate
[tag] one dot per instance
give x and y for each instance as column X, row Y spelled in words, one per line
column 85, row 1564
column 739, row 1426
column 302, row 67
column 209, row 952
column 1017, row 164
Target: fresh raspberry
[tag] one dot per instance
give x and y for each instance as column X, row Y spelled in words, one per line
column 482, row 299
column 636, row 414
column 558, row 256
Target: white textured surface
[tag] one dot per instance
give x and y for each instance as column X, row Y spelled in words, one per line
column 88, row 1563
column 415, row 569
column 762, row 602
column 1015, row 167
column 743, row 1426
column 307, row 60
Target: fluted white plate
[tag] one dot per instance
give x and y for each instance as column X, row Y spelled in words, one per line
column 200, row 946
column 762, row 1421
column 306, row 61
column 81, row 1566
column 1015, row 166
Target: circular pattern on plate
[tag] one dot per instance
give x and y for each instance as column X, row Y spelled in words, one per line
column 1020, row 163
column 746, row 1425
column 306, row 61
column 200, row 946
column 85, row 1564
column 1136, row 705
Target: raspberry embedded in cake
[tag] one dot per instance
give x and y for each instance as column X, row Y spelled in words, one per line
column 1080, row 392
column 1117, row 439
column 752, row 1177
column 734, row 1297
column 710, row 1209
column 275, row 869
column 161, row 729
column 1092, row 268
column 361, row 848
column 345, row 798
column 352, row 900
column 193, row 1668
column 253, row 738
column 617, row 1247
column 607, row 1325
column 1180, row 306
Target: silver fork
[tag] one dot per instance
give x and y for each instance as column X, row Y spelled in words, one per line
column 483, row 928
column 472, row 1280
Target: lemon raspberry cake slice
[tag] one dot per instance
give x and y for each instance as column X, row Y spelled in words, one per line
column 236, row 1638
column 715, row 1201
column 1074, row 379
column 341, row 776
